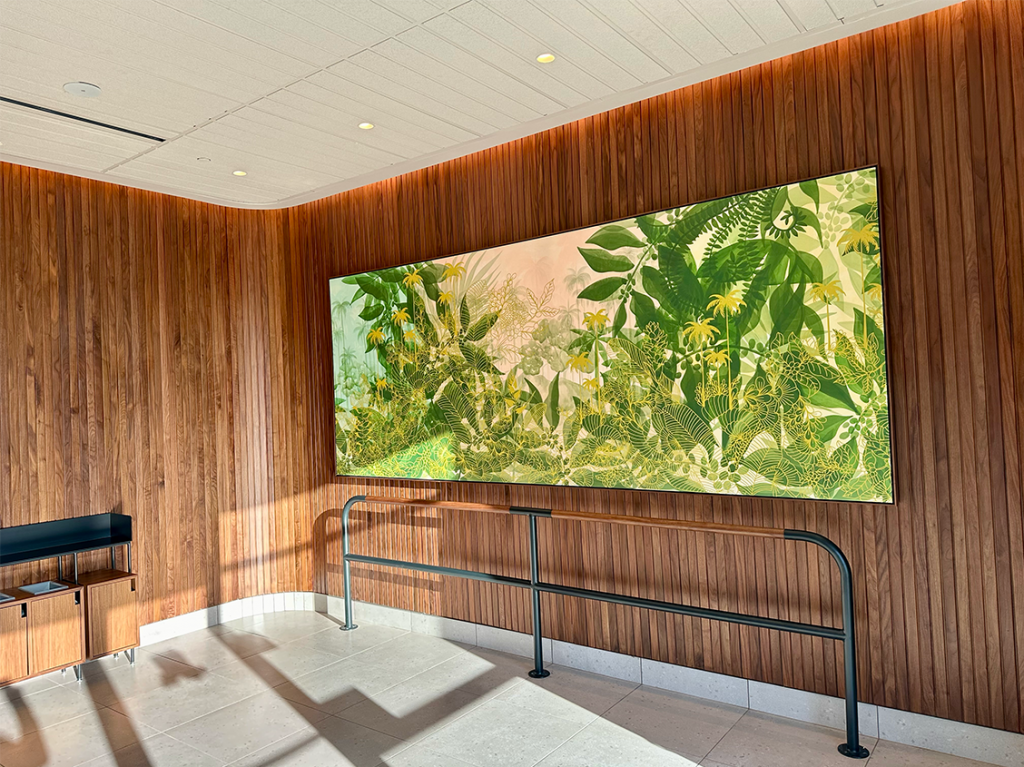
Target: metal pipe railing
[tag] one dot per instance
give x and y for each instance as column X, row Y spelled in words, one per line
column 846, row 634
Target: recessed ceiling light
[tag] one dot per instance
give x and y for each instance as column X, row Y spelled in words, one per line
column 85, row 90
column 202, row 159
column 366, row 126
column 546, row 58
column 239, row 173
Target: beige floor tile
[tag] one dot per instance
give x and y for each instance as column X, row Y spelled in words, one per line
column 347, row 643
column 208, row 650
column 577, row 696
column 74, row 741
column 284, row 627
column 609, row 745
column 246, row 726
column 478, row 672
column 21, row 714
column 498, row 734
column 157, row 751
column 347, row 682
column 185, row 700
column 683, row 725
column 409, row 710
column 762, row 740
column 331, row 743
column 420, row 756
column 886, row 754
column 282, row 664
column 107, row 683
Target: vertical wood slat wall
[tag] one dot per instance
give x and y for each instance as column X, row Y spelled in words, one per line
column 170, row 359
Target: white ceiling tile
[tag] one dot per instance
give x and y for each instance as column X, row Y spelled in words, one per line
column 417, row 11
column 379, row 109
column 411, row 97
column 259, row 60
column 400, row 54
column 768, row 18
column 813, row 14
column 433, row 89
column 686, row 29
column 608, row 43
column 577, row 56
column 293, row 106
column 516, row 65
column 647, row 33
column 728, row 25
column 308, row 97
column 470, row 66
column 847, row 8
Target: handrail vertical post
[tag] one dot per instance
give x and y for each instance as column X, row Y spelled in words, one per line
column 538, row 671
column 852, row 747
column 345, row 567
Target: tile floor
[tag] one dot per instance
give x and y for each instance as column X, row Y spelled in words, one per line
column 291, row 689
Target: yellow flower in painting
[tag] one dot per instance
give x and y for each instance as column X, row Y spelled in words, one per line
column 399, row 316
column 595, row 320
column 874, row 291
column 859, row 239
column 700, row 332
column 412, row 278
column 580, row 361
column 409, row 336
column 382, row 384
column 827, row 292
column 375, row 336
column 593, row 384
column 729, row 303
column 445, row 298
column 453, row 270
column 717, row 358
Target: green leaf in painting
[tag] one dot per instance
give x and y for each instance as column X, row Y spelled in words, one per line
column 371, row 311
column 786, row 309
column 684, row 283
column 480, row 328
column 602, row 289
column 613, row 236
column 620, row 318
column 656, row 284
column 643, row 309
column 552, row 404
column 603, row 261
column 371, row 286
column 810, row 188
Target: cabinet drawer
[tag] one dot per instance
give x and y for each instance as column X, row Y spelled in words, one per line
column 13, row 643
column 55, row 632
column 113, row 617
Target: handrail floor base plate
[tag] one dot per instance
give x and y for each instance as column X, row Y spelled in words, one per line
column 859, row 753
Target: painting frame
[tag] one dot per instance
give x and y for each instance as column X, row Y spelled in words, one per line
column 883, row 327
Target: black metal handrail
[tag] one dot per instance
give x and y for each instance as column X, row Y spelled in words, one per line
column 851, row 748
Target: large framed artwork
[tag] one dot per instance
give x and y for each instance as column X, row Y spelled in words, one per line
column 734, row 346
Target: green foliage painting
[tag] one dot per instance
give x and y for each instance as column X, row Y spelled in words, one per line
column 734, row 346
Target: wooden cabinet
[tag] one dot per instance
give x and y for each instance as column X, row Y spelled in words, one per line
column 56, row 637
column 112, row 612
column 13, row 643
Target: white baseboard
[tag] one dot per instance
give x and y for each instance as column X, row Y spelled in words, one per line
column 944, row 735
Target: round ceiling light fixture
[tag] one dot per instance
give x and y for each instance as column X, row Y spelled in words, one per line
column 546, row 58
column 366, row 126
column 202, row 159
column 239, row 173
column 85, row 90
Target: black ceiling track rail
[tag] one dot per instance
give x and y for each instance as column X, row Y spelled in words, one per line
column 57, row 112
